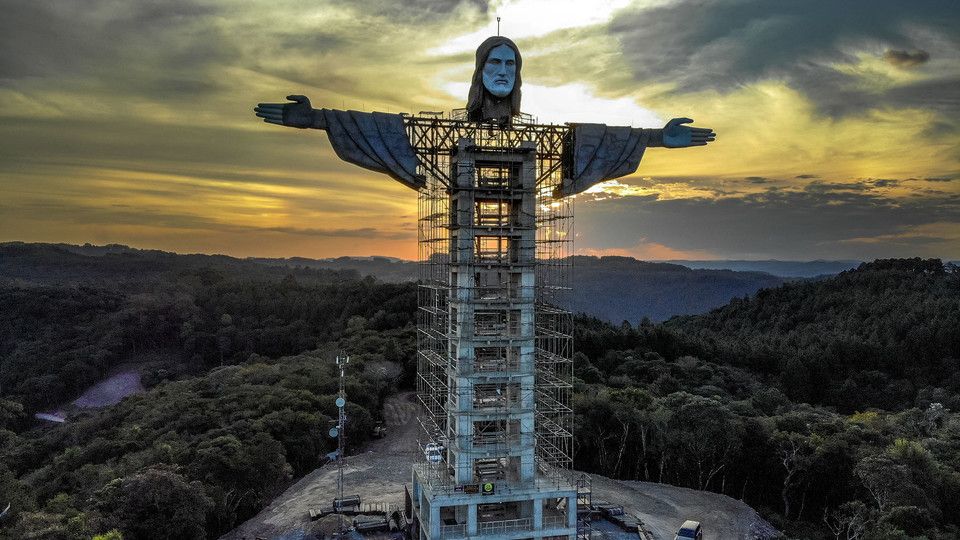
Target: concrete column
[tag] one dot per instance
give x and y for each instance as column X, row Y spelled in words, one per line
column 537, row 514
column 415, row 492
column 472, row 520
column 572, row 511
column 434, row 521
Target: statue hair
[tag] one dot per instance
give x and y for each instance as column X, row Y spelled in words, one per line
column 478, row 93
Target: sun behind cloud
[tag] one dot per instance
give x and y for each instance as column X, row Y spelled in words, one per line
column 132, row 123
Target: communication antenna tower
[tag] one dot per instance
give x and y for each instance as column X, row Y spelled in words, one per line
column 340, row 433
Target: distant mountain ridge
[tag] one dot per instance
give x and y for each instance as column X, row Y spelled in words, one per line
column 622, row 288
column 786, row 269
column 611, row 288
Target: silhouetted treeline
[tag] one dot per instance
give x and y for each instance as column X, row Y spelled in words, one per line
column 56, row 340
column 884, row 335
column 829, row 406
column 189, row 459
column 678, row 403
column 238, row 358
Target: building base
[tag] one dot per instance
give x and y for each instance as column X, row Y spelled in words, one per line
column 495, row 511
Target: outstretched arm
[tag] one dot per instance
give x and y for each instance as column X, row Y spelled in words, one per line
column 676, row 135
column 299, row 114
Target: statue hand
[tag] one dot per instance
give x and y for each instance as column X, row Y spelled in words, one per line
column 299, row 114
column 676, row 135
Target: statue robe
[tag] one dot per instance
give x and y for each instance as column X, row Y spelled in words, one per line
column 375, row 141
column 379, row 142
column 598, row 152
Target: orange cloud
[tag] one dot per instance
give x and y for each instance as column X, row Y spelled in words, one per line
column 650, row 251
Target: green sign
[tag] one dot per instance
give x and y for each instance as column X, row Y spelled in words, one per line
column 488, row 488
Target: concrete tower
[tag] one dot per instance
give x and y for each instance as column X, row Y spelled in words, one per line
column 487, row 360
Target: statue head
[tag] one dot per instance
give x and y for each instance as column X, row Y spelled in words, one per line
column 500, row 71
column 495, row 88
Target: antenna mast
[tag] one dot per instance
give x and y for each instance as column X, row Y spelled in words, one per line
column 339, row 433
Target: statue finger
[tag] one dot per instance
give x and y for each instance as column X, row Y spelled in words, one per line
column 270, row 116
column 269, row 107
column 298, row 98
column 678, row 121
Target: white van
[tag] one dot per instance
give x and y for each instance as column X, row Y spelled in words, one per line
column 690, row 530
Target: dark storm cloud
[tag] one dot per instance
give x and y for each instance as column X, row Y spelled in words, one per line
column 831, row 187
column 723, row 44
column 806, row 176
column 941, row 179
column 757, row 180
column 418, row 10
column 775, row 223
column 34, row 41
column 143, row 48
column 906, row 58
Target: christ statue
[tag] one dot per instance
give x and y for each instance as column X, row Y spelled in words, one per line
column 379, row 141
column 494, row 343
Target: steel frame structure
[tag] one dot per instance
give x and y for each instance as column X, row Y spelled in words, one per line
column 497, row 300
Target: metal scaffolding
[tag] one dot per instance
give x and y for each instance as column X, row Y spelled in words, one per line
column 495, row 296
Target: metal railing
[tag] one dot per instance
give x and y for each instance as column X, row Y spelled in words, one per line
column 506, row 525
column 453, row 531
column 459, row 530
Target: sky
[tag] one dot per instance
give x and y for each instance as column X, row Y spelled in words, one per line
column 131, row 122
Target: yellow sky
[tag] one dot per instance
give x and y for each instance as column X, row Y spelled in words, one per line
column 132, row 124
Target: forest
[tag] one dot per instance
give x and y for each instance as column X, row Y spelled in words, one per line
column 829, row 406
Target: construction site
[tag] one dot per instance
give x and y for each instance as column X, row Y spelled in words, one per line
column 484, row 447
column 494, row 347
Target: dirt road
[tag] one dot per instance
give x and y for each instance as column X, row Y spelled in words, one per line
column 378, row 475
column 663, row 508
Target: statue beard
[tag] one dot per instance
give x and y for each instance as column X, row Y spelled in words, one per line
column 496, row 108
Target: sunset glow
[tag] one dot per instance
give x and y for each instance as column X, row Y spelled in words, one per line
column 134, row 125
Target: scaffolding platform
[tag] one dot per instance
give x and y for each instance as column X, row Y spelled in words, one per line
column 494, row 347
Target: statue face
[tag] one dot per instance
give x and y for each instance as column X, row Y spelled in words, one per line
column 500, row 71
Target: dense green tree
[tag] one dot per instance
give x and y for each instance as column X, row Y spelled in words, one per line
column 155, row 504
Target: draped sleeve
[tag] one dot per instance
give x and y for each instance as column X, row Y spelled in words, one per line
column 596, row 152
column 375, row 141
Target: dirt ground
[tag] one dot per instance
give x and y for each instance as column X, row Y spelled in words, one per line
column 123, row 382
column 663, row 508
column 379, row 474
column 111, row 390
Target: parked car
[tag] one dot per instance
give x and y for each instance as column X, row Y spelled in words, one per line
column 690, row 530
